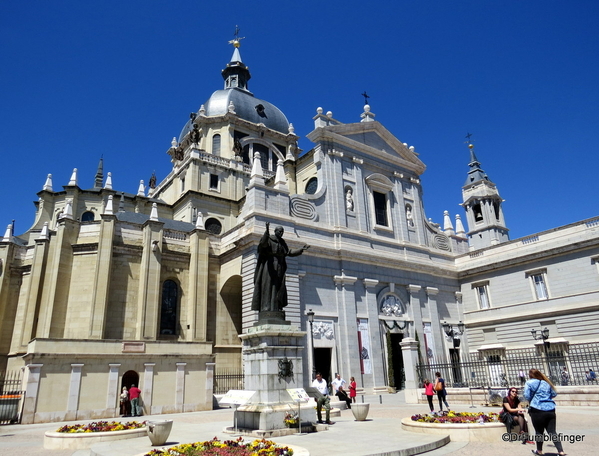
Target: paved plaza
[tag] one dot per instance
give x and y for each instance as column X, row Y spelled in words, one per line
column 381, row 434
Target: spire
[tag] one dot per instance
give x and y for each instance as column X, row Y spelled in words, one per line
column 459, row 226
column 200, row 221
column 109, row 209
column 48, row 185
column 99, row 174
column 236, row 74
column 108, row 184
column 447, row 225
column 476, row 174
column 141, row 191
column 154, row 212
column 73, row 181
column 44, row 233
column 8, row 233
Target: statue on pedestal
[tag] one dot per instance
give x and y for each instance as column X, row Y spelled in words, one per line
column 270, row 292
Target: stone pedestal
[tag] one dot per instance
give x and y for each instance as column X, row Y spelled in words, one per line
column 272, row 356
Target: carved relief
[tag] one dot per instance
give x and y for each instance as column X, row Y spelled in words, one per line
column 391, row 306
column 322, row 330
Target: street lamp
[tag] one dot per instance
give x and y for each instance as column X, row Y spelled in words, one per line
column 451, row 332
column 543, row 335
column 310, row 315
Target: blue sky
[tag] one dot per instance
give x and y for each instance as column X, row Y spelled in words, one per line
column 118, row 79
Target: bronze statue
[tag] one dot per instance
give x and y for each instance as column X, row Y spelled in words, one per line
column 152, row 182
column 270, row 292
column 195, row 135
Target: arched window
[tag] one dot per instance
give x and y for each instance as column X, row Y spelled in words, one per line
column 216, row 144
column 168, row 309
column 87, row 217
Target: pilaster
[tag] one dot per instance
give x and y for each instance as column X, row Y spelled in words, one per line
column 32, row 387
column 113, row 386
column 436, row 330
column 148, row 388
column 74, row 391
column 100, row 290
column 372, row 310
column 148, row 305
column 197, row 295
column 415, row 311
column 349, row 349
column 180, row 387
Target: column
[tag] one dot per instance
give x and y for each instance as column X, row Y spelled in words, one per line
column 436, row 330
column 74, row 389
column 209, row 382
column 113, row 386
column 409, row 348
column 32, row 387
column 372, row 310
column 180, row 387
column 148, row 387
column 197, row 295
column 348, row 350
column 415, row 311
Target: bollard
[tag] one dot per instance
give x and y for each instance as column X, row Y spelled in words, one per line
column 381, row 398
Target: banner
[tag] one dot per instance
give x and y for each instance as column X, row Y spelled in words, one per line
column 364, row 345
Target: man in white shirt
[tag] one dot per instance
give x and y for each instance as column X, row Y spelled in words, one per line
column 321, row 385
column 339, row 387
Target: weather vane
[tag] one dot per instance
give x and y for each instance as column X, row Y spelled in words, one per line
column 366, row 97
column 236, row 42
column 468, row 136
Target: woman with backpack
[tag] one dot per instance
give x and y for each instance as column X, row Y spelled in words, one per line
column 441, row 391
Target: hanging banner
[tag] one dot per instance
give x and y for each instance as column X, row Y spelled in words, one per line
column 428, row 342
column 364, row 345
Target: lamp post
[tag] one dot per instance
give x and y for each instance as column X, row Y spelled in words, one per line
column 454, row 353
column 453, row 333
column 310, row 315
column 543, row 335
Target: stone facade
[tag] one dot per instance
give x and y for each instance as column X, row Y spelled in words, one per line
column 109, row 288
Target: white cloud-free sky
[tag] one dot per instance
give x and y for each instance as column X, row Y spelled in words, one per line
column 117, row 79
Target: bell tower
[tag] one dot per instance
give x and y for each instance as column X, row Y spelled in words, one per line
column 482, row 204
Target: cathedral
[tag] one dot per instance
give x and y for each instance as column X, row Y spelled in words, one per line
column 109, row 289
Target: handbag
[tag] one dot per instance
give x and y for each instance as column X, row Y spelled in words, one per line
column 506, row 417
column 439, row 386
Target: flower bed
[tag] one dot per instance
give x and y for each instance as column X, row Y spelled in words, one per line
column 460, row 426
column 102, row 426
column 458, row 418
column 215, row 447
column 81, row 436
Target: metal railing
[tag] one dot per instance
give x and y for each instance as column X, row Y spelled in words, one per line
column 11, row 397
column 503, row 368
column 227, row 379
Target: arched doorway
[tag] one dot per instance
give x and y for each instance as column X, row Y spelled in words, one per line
column 130, row 378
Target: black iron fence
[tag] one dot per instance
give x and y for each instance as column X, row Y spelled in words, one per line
column 563, row 364
column 227, row 379
column 11, row 397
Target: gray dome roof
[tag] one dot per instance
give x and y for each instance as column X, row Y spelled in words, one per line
column 247, row 107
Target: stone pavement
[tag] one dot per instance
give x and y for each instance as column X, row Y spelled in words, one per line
column 381, row 434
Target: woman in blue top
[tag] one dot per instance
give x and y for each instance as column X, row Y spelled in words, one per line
column 441, row 391
column 539, row 391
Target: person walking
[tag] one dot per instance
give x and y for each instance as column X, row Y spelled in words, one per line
column 441, row 391
column 323, row 400
column 134, row 393
column 539, row 392
column 429, row 392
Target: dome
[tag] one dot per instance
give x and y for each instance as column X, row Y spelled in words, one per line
column 247, row 107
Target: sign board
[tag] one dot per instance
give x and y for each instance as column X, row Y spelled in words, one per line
column 298, row 394
column 238, row 397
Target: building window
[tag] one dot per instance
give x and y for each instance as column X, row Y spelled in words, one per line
column 216, row 144
column 538, row 281
column 312, row 186
column 380, row 208
column 213, row 226
column 478, row 212
column 87, row 217
column 381, row 194
column 168, row 309
column 213, row 182
column 482, row 295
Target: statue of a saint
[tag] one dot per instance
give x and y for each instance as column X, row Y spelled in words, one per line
column 194, row 135
column 270, row 292
column 349, row 200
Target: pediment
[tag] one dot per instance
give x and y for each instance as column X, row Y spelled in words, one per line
column 370, row 138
